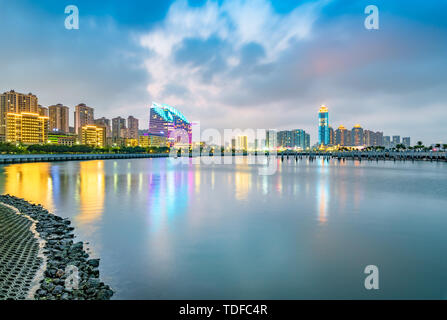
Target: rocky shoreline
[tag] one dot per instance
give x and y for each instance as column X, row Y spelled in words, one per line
column 69, row 274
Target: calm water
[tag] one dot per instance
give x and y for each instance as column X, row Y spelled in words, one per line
column 166, row 231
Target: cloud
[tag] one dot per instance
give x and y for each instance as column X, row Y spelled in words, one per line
column 243, row 64
column 209, row 51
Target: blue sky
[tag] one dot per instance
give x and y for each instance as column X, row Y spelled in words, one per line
column 237, row 64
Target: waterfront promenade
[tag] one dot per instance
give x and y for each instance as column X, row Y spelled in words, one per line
column 350, row 155
column 20, row 158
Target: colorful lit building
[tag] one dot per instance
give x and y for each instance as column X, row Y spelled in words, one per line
column 148, row 140
column 93, row 135
column 26, row 128
column 61, row 139
column 323, row 126
column 15, row 102
column 357, row 135
column 83, row 115
column 165, row 120
column 342, row 136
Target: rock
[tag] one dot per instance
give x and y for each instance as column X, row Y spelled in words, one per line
column 60, row 273
column 58, row 290
column 104, row 294
column 93, row 262
column 93, row 283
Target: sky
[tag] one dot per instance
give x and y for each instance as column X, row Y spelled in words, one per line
column 237, row 64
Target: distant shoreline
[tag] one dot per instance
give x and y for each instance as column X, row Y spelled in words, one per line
column 348, row 155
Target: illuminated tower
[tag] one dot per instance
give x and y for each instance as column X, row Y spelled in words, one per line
column 323, row 126
column 357, row 136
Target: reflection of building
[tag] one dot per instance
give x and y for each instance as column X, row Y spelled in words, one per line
column 91, row 191
column 27, row 128
column 147, row 141
column 132, row 126
column 83, row 116
column 14, row 102
column 357, row 135
column 93, row 135
column 59, row 117
column 164, row 120
column 61, row 139
column 323, row 126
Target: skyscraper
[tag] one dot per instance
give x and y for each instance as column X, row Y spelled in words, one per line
column 59, row 118
column 331, row 136
column 83, row 116
column 16, row 102
column 387, row 141
column 406, row 141
column 323, row 126
column 341, row 136
column 119, row 130
column 42, row 111
column 396, row 141
column 132, row 125
column 357, row 135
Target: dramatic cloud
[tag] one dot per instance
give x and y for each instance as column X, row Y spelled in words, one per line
column 242, row 64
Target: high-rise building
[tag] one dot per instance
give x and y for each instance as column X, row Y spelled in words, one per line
column 357, row 135
column 242, row 143
column 59, row 118
column 15, row 102
column 26, row 128
column 396, row 141
column 42, row 111
column 406, row 141
column 93, row 135
column 341, row 136
column 271, row 139
column 119, row 130
column 387, row 141
column 132, row 126
column 323, row 126
column 104, row 122
column 331, row 136
column 164, row 120
column 293, row 139
column 83, row 116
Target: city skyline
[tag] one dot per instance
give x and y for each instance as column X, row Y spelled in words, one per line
column 118, row 129
column 269, row 62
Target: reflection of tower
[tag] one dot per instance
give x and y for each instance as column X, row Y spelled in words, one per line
column 323, row 126
column 91, row 192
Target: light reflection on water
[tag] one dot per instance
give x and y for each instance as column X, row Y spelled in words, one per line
column 223, row 231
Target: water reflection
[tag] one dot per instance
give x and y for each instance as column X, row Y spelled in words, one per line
column 32, row 181
column 91, row 191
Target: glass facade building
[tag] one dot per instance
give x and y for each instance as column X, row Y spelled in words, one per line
column 323, row 126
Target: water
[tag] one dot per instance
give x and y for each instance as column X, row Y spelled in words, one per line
column 166, row 231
